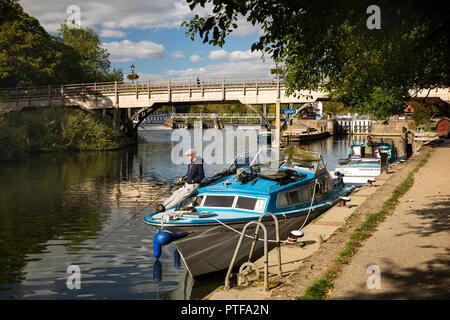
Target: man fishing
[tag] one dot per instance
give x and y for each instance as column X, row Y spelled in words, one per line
column 191, row 180
column 370, row 146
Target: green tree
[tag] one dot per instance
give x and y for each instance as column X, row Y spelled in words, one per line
column 327, row 43
column 94, row 61
column 27, row 54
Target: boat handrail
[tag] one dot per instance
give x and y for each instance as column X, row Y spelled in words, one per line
column 259, row 225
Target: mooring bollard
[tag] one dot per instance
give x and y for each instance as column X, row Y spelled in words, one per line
column 370, row 181
column 343, row 201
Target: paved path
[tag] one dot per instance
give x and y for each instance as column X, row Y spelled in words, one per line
column 412, row 246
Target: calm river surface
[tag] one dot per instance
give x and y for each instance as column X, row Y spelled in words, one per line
column 58, row 210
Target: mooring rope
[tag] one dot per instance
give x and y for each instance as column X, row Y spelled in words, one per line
column 239, row 232
column 311, row 205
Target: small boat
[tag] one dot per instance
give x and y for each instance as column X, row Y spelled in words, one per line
column 206, row 226
column 359, row 167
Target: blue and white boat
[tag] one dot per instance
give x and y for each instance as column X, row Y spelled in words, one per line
column 358, row 166
column 206, row 226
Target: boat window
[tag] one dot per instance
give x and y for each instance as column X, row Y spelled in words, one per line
column 246, row 203
column 294, row 197
column 218, row 201
column 304, row 194
column 282, row 200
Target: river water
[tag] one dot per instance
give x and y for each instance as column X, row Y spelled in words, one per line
column 63, row 210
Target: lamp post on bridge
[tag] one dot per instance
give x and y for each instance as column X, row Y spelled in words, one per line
column 133, row 76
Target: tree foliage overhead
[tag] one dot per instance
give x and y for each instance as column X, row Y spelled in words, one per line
column 329, row 41
column 31, row 56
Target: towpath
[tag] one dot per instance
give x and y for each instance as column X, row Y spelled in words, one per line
column 410, row 251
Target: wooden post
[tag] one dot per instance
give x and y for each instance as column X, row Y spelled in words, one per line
column 62, row 94
column 202, row 90
column 49, row 95
column 137, row 94
column 116, row 115
column 277, row 124
column 278, row 86
column 190, row 89
column 243, row 86
column 29, row 96
column 223, row 88
column 148, row 90
column 169, row 91
column 95, row 93
column 256, row 86
column 116, row 94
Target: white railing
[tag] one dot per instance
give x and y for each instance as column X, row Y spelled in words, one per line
column 62, row 91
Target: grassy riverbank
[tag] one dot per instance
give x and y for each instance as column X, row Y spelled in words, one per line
column 321, row 287
column 55, row 129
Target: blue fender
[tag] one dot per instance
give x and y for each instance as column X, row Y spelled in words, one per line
column 161, row 238
column 157, row 271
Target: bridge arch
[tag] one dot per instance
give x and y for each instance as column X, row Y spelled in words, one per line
column 143, row 113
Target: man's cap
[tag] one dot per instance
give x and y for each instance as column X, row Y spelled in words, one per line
column 189, row 152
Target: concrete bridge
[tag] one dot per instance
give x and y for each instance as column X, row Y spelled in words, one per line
column 138, row 99
column 147, row 94
column 128, row 101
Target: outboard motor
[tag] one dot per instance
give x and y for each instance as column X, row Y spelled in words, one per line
column 339, row 178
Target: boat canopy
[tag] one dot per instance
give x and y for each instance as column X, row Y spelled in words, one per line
column 271, row 160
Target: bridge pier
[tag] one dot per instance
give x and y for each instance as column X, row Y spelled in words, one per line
column 116, row 118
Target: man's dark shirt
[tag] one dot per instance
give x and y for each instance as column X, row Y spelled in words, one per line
column 195, row 172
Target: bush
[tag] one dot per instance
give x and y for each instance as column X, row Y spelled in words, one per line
column 55, row 129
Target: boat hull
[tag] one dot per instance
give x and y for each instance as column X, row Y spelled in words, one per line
column 210, row 248
column 358, row 174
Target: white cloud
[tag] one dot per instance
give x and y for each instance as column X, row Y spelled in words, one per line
column 108, row 33
column 218, row 55
column 245, row 27
column 234, row 55
column 119, row 14
column 127, row 50
column 235, row 69
column 111, row 14
column 195, row 58
column 177, row 54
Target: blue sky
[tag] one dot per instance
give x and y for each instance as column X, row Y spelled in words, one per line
column 147, row 33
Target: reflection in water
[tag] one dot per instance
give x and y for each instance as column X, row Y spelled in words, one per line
column 58, row 210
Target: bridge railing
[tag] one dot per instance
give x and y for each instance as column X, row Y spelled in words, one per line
column 213, row 115
column 54, row 92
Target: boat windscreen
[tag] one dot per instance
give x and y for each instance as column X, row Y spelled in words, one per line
column 271, row 156
column 193, row 201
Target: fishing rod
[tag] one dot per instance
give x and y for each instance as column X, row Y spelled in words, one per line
column 134, row 215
